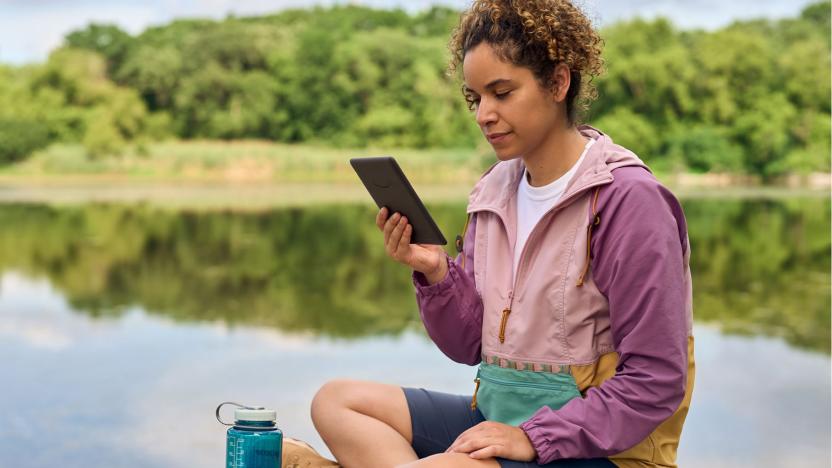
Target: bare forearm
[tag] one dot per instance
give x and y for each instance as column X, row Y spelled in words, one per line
column 437, row 275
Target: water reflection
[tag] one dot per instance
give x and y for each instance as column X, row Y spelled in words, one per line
column 139, row 390
column 759, row 266
column 762, row 267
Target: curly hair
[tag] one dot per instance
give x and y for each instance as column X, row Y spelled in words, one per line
column 538, row 35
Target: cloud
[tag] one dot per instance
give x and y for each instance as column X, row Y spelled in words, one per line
column 29, row 34
column 39, row 336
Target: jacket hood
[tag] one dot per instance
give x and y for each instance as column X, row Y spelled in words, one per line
column 497, row 187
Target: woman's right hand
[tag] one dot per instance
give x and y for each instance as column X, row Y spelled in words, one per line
column 425, row 258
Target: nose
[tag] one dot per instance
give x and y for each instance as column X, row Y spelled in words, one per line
column 486, row 114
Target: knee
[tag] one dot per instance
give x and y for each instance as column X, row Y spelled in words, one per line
column 331, row 396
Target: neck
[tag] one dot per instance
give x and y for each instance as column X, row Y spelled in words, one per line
column 555, row 156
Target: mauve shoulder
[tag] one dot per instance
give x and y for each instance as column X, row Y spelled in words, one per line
column 635, row 183
column 640, row 197
column 629, row 177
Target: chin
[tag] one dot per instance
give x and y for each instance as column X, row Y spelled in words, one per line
column 506, row 154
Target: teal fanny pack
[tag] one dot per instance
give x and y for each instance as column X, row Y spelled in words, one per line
column 511, row 396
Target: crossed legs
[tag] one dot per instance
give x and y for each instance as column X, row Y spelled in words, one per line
column 367, row 425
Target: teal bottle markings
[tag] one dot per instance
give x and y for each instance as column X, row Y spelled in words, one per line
column 254, row 448
column 253, row 440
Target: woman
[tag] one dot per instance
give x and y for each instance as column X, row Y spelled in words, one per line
column 572, row 290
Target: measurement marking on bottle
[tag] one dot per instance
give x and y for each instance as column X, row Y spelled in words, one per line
column 239, row 459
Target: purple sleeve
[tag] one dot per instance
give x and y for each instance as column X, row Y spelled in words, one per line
column 638, row 265
column 452, row 308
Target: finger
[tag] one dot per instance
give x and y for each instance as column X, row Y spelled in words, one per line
column 473, row 444
column 404, row 240
column 472, row 431
column 388, row 227
column 487, row 452
column 452, row 448
column 381, row 218
column 396, row 235
column 464, row 437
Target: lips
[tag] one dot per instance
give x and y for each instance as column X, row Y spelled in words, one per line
column 497, row 137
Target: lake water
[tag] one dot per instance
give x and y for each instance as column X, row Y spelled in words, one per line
column 122, row 326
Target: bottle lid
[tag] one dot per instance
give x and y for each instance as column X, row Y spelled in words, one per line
column 255, row 414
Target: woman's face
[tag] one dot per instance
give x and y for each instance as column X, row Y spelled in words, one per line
column 514, row 112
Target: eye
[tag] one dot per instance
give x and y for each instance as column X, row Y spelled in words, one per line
column 502, row 95
column 472, row 101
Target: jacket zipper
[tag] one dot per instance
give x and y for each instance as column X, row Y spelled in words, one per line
column 558, row 206
column 510, row 384
column 507, row 310
column 504, row 320
column 522, row 384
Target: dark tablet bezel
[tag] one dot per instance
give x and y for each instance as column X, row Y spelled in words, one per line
column 398, row 196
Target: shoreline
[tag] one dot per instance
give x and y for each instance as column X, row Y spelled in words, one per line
column 212, row 194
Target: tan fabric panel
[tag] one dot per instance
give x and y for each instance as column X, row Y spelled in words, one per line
column 659, row 448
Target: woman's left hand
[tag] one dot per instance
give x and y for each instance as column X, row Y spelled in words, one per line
column 492, row 439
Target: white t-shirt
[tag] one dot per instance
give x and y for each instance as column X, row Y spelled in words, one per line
column 534, row 202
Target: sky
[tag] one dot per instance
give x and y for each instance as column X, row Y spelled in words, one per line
column 29, row 29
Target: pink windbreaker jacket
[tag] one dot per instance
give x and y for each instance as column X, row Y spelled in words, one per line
column 602, row 292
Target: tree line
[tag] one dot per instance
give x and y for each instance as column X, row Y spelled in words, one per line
column 752, row 97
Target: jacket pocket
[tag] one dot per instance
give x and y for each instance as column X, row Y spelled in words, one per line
column 512, row 396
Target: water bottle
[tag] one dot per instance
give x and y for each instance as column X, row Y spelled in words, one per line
column 253, row 441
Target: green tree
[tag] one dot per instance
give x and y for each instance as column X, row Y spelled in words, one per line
column 100, row 114
column 20, row 138
column 107, row 39
column 703, row 148
column 156, row 73
column 357, row 76
column 632, row 131
column 764, row 133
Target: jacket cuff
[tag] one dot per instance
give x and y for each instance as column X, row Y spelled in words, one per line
column 540, row 441
column 425, row 289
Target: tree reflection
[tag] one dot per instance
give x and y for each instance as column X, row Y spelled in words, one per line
column 760, row 267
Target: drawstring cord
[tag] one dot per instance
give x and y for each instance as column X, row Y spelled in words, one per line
column 596, row 220
column 460, row 239
column 474, row 398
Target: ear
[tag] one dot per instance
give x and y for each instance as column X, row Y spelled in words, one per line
column 562, row 80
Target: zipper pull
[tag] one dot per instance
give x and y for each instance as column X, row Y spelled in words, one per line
column 474, row 398
column 506, row 313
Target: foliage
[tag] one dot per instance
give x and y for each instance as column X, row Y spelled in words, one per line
column 752, row 97
column 759, row 266
column 20, row 138
column 741, row 99
column 763, row 266
column 82, row 104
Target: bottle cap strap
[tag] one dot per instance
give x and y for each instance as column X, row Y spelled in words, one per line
column 238, row 406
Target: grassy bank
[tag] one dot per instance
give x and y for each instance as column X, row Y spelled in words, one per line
column 243, row 161
column 237, row 163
